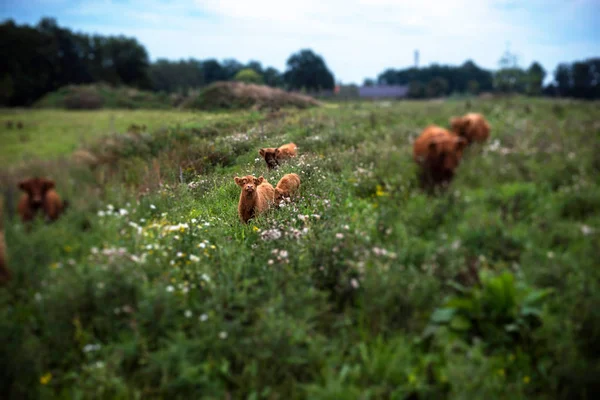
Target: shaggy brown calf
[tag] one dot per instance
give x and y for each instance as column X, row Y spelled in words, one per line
column 287, row 186
column 40, row 196
column 471, row 126
column 256, row 197
column 438, row 152
column 273, row 155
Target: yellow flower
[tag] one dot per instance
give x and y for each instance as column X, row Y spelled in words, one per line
column 501, row 372
column 68, row 249
column 45, row 379
column 255, row 228
column 380, row 192
column 54, row 265
column 212, row 246
column 526, row 379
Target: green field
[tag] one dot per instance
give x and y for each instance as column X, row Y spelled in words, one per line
column 363, row 288
column 50, row 134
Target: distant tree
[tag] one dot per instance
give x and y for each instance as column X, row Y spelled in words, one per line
column 213, row 71
column 535, row 79
column 416, row 90
column 562, row 77
column 255, row 66
column 473, row 87
column 230, row 68
column 272, row 77
column 248, row 76
column 437, row 87
column 582, row 80
column 369, row 82
column 308, row 70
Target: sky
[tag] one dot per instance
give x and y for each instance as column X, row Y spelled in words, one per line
column 357, row 38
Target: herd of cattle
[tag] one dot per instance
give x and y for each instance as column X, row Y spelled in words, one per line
column 437, row 151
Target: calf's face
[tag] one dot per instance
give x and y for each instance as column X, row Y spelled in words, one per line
column 36, row 189
column 248, row 183
column 449, row 152
column 270, row 156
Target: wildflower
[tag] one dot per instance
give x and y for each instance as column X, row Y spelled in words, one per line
column 194, row 258
column 550, row 254
column 188, row 313
column 339, row 235
column 202, row 245
column 223, row 335
column 101, row 213
column 94, row 250
column 152, row 206
column 110, row 207
column 255, row 228
column 45, row 379
column 180, row 254
column 346, row 227
column 526, row 379
column 123, row 212
column 270, row 262
column 206, row 277
column 203, row 317
column 170, row 288
column 380, row 192
column 283, row 253
column 501, row 372
column 91, row 347
column 354, row 283
column 194, row 220
column 586, row 230
column 68, row 249
column 37, row 297
column 100, row 285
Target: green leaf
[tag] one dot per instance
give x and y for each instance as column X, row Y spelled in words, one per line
column 442, row 315
column 536, row 296
column 460, row 323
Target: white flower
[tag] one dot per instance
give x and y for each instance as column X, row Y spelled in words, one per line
column 223, row 335
column 179, row 254
column 206, row 277
column 94, row 250
column 188, row 313
column 152, row 206
column 123, row 212
column 194, row 258
column 100, row 285
column 170, row 288
column 339, row 235
column 283, row 253
column 270, row 262
column 206, row 224
column 354, row 283
column 586, row 230
column 203, row 317
column 110, row 207
column 91, row 347
column 346, row 227
column 257, row 160
column 37, row 297
column 550, row 254
column 99, row 364
column 101, row 213
column 194, row 220
column 202, row 245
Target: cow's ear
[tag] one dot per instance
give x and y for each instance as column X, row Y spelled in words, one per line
column 262, row 152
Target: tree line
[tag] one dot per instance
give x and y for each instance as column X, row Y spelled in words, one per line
column 42, row 58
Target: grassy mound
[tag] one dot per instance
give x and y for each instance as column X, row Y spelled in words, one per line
column 237, row 95
column 92, row 97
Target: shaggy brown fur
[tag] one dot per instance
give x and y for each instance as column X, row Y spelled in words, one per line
column 256, row 197
column 40, row 196
column 438, row 152
column 287, row 186
column 5, row 273
column 273, row 156
column 471, row 126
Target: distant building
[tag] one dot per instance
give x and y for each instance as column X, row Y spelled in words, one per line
column 383, row 92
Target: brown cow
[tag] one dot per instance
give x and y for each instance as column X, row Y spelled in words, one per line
column 273, row 155
column 438, row 152
column 471, row 126
column 256, row 197
column 40, row 195
column 287, row 186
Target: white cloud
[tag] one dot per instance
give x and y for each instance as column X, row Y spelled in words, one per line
column 358, row 38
